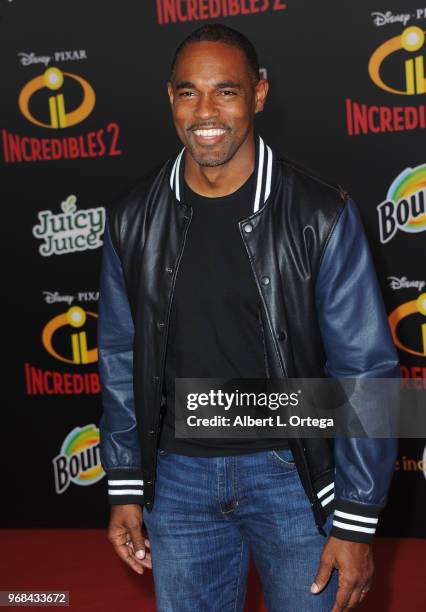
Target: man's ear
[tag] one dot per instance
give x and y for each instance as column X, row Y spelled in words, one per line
column 170, row 92
column 261, row 91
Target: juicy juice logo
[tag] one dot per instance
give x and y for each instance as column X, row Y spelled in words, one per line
column 79, row 459
column 71, row 230
column 405, row 205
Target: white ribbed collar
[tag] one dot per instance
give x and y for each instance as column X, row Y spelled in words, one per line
column 263, row 174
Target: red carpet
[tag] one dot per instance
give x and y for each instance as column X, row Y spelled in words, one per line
column 82, row 561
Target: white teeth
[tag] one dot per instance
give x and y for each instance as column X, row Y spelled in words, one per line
column 209, row 133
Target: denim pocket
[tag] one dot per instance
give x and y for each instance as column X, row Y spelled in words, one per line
column 283, row 457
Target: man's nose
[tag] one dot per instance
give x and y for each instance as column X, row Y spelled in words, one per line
column 206, row 107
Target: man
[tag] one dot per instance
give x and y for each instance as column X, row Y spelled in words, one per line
column 231, row 262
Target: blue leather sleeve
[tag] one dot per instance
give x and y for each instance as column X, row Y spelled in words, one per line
column 119, row 441
column 357, row 343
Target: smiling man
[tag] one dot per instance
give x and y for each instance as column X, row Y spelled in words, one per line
column 231, row 262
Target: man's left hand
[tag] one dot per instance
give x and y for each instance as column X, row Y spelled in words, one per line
column 354, row 561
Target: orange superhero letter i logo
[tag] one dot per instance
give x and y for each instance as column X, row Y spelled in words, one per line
column 410, row 309
column 52, row 80
column 75, row 317
column 412, row 40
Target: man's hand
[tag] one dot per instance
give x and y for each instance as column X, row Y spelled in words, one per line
column 354, row 562
column 125, row 534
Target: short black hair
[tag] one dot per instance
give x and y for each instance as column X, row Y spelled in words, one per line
column 216, row 32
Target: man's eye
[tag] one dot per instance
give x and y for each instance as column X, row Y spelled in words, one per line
column 186, row 94
column 228, row 92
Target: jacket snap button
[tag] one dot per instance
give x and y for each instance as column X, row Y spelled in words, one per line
column 169, row 270
column 160, row 325
column 151, row 432
column 281, row 335
column 155, row 378
column 248, row 228
column 265, row 280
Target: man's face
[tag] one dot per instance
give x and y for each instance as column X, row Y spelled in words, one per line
column 214, row 99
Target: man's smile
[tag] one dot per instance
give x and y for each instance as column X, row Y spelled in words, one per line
column 208, row 136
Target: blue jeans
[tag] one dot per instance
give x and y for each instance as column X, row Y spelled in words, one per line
column 210, row 513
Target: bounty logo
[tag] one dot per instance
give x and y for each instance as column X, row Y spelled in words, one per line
column 71, row 230
column 74, row 319
column 59, row 117
column 415, row 312
column 412, row 40
column 404, row 208
column 79, row 459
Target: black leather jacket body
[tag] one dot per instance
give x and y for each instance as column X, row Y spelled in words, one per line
column 322, row 315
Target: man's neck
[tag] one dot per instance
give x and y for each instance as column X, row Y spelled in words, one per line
column 218, row 181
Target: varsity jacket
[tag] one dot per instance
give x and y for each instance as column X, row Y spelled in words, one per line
column 322, row 315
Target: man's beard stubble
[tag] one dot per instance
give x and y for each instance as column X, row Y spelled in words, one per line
column 219, row 159
column 210, row 162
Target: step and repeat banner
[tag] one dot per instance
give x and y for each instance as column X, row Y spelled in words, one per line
column 84, row 113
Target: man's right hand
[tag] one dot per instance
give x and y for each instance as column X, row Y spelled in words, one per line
column 125, row 534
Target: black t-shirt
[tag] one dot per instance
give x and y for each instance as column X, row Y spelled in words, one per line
column 214, row 328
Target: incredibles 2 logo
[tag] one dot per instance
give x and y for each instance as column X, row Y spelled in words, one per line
column 180, row 11
column 66, row 338
column 57, row 100
column 393, row 72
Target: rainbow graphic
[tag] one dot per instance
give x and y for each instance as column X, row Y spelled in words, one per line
column 409, row 182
